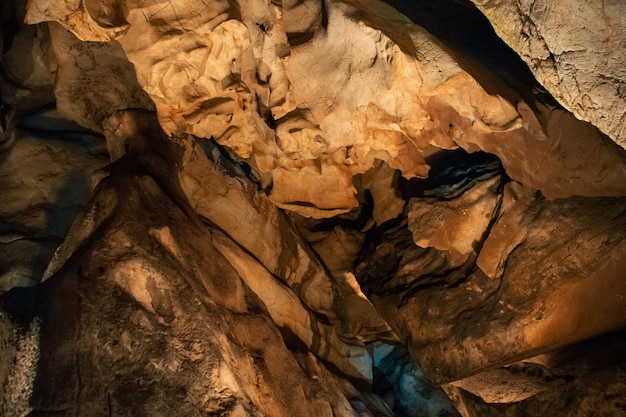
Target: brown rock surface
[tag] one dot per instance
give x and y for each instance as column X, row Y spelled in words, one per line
column 45, row 181
column 139, row 312
column 311, row 208
column 457, row 320
column 394, row 93
column 580, row 379
column 574, row 48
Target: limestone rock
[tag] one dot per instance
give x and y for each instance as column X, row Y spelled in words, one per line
column 396, row 91
column 458, row 226
column 57, row 168
column 187, row 319
column 582, row 378
column 458, row 320
column 555, row 371
column 382, row 183
column 80, row 88
column 574, row 48
column 27, row 61
column 309, row 207
column 338, row 246
column 506, row 233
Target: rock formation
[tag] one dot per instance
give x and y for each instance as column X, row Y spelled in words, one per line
column 312, row 208
column 566, row 45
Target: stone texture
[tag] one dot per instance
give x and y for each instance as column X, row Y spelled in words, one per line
column 28, row 63
column 395, row 92
column 310, row 208
column 555, row 371
column 184, row 316
column 457, row 226
column 581, row 379
column 83, row 65
column 545, row 297
column 58, row 170
column 574, row 48
column 174, row 353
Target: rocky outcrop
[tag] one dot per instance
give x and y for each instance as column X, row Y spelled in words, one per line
column 317, row 208
column 196, row 338
column 308, row 116
column 502, row 252
column 574, row 48
column 584, row 378
column 45, row 183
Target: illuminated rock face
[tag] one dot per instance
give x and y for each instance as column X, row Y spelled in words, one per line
column 310, row 208
column 566, row 45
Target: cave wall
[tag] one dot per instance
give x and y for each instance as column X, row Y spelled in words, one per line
column 565, row 46
column 338, row 208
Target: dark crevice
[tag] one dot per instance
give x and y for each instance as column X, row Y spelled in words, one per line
column 439, row 280
column 400, row 382
column 220, row 156
column 390, row 263
column 478, row 245
column 10, row 27
column 22, row 304
column 355, row 219
column 451, row 174
column 296, row 39
column 324, row 16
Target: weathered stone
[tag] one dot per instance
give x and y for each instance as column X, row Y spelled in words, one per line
column 28, row 64
column 457, row 320
column 81, row 91
column 554, row 371
column 338, row 249
column 585, row 378
column 382, row 183
column 506, row 233
column 214, row 81
column 200, row 339
column 459, row 225
column 251, row 248
column 574, row 48
column 57, row 168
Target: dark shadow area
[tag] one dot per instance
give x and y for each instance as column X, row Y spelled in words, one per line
column 70, row 194
column 451, row 174
column 356, row 219
column 22, row 304
column 70, row 198
column 11, row 14
column 400, row 382
column 57, row 379
column 46, row 124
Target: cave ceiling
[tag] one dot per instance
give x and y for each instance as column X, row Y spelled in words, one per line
column 313, row 208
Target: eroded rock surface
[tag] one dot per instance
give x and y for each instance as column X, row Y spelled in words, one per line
column 46, row 176
column 367, row 84
column 311, row 208
column 574, row 48
column 555, row 253
column 163, row 320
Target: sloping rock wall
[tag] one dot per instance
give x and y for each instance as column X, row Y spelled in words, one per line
column 574, row 48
